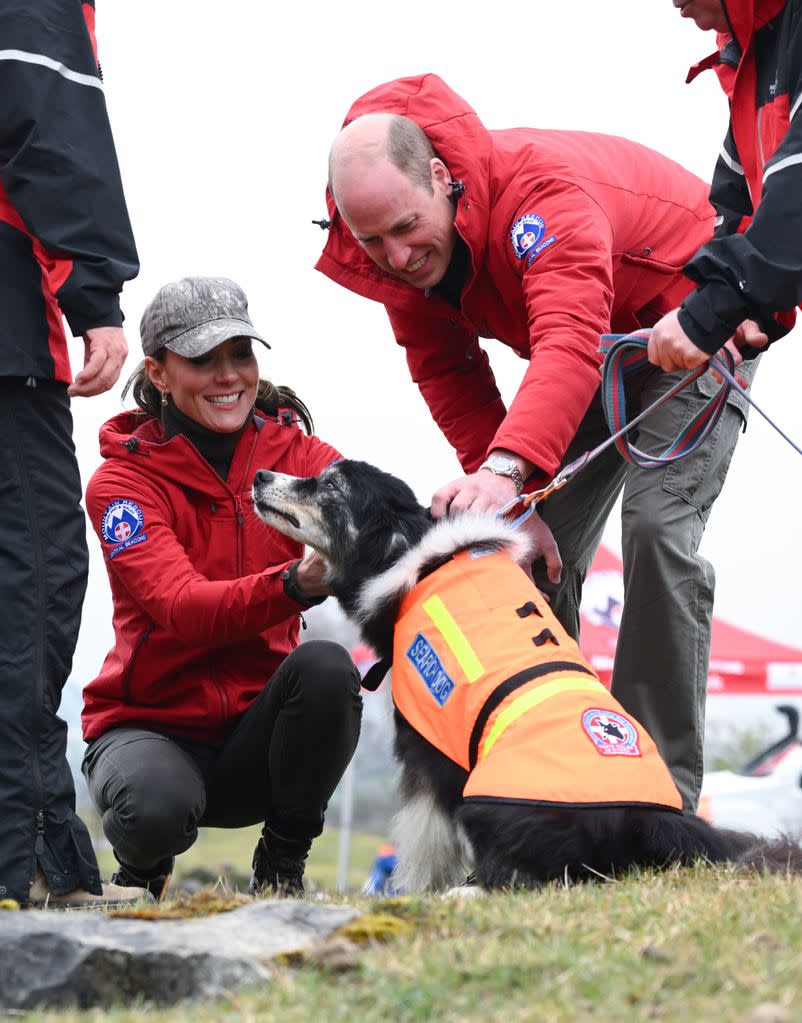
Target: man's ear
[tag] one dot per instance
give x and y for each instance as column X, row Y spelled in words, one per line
column 441, row 179
column 155, row 370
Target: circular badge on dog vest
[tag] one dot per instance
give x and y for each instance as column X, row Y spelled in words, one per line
column 612, row 734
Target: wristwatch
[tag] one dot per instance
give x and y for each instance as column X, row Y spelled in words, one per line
column 503, row 465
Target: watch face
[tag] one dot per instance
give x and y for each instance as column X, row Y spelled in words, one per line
column 503, row 465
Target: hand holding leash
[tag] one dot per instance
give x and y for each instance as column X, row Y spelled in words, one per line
column 625, row 353
column 671, row 349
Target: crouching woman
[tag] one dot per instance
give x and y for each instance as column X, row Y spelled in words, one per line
column 206, row 710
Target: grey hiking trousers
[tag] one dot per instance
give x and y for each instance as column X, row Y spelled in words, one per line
column 663, row 650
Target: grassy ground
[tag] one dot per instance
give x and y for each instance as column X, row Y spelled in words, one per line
column 688, row 946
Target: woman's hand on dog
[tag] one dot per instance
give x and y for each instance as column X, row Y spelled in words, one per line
column 311, row 574
column 483, row 493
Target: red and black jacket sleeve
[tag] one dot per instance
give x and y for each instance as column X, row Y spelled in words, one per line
column 58, row 165
column 756, row 273
column 729, row 192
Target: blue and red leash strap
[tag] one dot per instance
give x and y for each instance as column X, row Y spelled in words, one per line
column 625, row 354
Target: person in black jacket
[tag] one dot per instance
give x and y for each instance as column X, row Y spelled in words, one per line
column 749, row 277
column 66, row 247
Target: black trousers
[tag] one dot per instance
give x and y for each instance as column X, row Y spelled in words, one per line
column 279, row 765
column 43, row 571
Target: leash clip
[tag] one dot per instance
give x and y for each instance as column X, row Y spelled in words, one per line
column 530, row 500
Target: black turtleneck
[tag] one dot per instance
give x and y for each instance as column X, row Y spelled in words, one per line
column 453, row 281
column 216, row 448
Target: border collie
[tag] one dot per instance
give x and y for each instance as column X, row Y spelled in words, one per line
column 512, row 751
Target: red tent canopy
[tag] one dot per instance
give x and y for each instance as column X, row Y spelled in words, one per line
column 741, row 662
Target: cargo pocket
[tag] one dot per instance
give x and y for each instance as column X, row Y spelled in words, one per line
column 699, row 477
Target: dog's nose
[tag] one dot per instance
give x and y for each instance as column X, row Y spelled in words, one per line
column 262, row 477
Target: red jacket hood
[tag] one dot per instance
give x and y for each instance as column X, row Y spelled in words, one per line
column 431, row 104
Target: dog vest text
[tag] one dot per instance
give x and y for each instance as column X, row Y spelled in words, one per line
column 483, row 671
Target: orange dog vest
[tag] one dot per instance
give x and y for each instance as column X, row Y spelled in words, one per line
column 483, row 670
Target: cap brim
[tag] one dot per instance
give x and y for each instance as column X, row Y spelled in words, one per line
column 206, row 336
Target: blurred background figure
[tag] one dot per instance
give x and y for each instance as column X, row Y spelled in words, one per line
column 380, row 881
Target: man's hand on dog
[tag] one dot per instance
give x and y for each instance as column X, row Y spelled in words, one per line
column 311, row 576
column 483, row 493
column 105, row 349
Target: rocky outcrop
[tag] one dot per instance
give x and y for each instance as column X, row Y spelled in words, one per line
column 84, row 959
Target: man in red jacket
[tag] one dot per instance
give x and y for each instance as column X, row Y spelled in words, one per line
column 544, row 240
column 749, row 277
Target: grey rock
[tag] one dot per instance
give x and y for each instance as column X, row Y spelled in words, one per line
column 84, row 959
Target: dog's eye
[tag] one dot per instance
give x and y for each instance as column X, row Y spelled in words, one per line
column 330, row 483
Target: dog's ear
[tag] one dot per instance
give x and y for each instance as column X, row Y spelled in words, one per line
column 392, row 527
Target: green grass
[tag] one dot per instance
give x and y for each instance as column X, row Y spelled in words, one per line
column 691, row 946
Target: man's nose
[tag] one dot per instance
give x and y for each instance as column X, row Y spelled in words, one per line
column 397, row 253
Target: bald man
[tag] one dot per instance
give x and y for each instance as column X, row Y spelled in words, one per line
column 543, row 240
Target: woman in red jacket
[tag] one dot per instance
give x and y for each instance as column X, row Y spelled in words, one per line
column 206, row 711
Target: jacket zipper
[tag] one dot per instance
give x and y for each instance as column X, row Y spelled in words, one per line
column 239, row 508
column 760, row 138
column 132, row 661
column 221, row 692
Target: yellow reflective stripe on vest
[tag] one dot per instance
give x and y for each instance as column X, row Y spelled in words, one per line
column 526, row 701
column 455, row 638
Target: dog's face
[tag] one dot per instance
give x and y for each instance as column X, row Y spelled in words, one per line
column 350, row 507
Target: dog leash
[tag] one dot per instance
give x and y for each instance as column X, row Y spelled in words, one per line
column 625, row 354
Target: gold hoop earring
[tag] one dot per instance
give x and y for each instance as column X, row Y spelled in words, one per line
column 164, row 398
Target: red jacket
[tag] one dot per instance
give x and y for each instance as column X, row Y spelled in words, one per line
column 66, row 244
column 612, row 224
column 201, row 620
column 753, row 267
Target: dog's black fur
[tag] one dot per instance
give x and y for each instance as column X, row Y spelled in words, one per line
column 363, row 521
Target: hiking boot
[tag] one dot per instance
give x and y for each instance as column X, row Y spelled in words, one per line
column 114, row 896
column 156, row 881
column 278, row 868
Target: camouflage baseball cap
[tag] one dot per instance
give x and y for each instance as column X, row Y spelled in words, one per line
column 194, row 315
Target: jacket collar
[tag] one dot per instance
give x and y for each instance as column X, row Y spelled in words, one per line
column 141, row 441
column 745, row 18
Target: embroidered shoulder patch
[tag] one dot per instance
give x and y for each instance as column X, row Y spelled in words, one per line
column 612, row 734
column 527, row 238
column 122, row 525
column 425, row 661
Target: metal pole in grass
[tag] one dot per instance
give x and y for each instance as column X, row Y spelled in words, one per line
column 346, row 820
